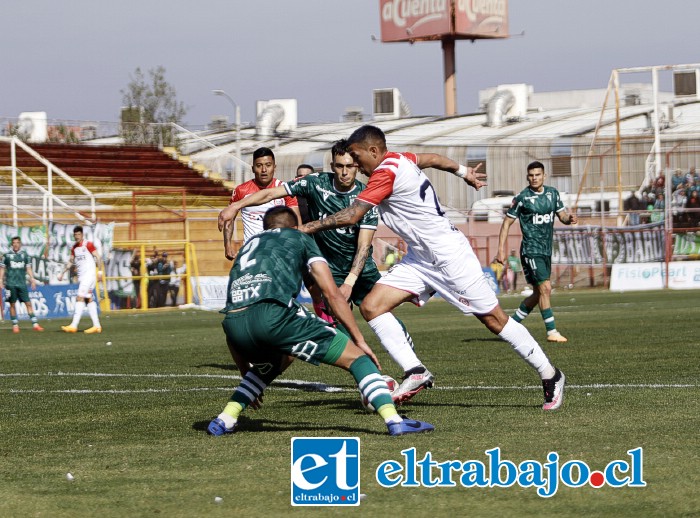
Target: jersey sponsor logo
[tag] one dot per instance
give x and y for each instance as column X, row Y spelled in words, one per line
column 543, row 219
column 248, row 278
column 17, row 264
column 325, row 471
column 245, row 294
column 497, row 472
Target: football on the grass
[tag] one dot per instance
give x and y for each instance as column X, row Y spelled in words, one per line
column 391, row 383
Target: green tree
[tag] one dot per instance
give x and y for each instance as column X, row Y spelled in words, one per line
column 150, row 95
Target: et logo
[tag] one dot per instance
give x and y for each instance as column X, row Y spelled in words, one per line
column 325, row 471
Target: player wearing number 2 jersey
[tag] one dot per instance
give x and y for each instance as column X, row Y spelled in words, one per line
column 439, row 259
column 265, row 326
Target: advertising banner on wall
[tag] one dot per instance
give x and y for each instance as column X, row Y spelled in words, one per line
column 682, row 275
column 591, row 246
column 47, row 302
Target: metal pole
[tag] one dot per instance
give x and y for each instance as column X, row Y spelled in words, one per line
column 657, row 133
column 13, row 162
column 238, row 173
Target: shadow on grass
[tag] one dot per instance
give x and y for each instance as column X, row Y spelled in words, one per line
column 222, row 366
column 246, row 424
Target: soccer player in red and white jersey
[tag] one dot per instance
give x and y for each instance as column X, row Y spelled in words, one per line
column 439, row 259
column 264, row 171
column 86, row 259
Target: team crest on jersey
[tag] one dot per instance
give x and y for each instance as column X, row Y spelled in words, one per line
column 324, row 192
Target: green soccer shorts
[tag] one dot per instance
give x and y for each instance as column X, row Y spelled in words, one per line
column 267, row 330
column 364, row 284
column 18, row 293
column 537, row 269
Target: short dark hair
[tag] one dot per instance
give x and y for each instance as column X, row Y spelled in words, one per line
column 263, row 151
column 339, row 148
column 17, row 238
column 535, row 165
column 279, row 216
column 367, row 133
column 77, row 228
column 305, row 166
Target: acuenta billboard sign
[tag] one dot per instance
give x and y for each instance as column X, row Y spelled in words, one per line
column 418, row 20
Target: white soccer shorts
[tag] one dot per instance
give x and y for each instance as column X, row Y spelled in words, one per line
column 87, row 286
column 460, row 282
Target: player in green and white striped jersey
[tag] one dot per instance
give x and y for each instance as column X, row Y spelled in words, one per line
column 536, row 207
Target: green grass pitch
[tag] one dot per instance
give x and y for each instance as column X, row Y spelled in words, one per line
column 128, row 420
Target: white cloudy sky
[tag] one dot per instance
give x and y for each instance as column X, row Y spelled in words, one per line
column 72, row 58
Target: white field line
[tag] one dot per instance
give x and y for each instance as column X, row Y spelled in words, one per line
column 283, row 384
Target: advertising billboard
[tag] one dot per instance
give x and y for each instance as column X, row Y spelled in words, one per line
column 424, row 20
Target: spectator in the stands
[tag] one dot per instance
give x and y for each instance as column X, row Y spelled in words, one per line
column 631, row 206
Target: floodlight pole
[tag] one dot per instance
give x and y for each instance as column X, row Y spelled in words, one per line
column 237, row 110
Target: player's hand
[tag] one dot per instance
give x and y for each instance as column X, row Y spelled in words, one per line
column 227, row 215
column 475, row 178
column 501, row 257
column 60, row 277
column 33, row 284
column 366, row 349
column 345, row 291
column 230, row 252
column 99, row 275
column 257, row 404
column 573, row 219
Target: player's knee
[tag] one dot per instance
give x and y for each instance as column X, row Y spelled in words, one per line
column 370, row 310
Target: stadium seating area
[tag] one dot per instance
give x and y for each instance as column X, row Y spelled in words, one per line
column 118, row 168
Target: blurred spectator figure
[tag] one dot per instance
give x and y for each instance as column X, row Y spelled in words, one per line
column 631, row 205
column 165, row 268
column 678, row 202
column 693, row 207
column 659, row 209
column 152, row 265
column 175, row 279
column 497, row 271
column 659, row 183
column 135, row 266
column 677, row 179
column 691, row 175
column 302, row 171
column 514, row 268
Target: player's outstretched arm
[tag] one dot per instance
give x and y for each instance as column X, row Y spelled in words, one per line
column 471, row 175
column 343, row 218
column 324, row 280
column 258, row 198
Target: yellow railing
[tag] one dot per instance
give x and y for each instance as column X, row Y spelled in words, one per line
column 174, row 247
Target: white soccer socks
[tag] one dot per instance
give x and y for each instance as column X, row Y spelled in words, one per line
column 527, row 348
column 393, row 339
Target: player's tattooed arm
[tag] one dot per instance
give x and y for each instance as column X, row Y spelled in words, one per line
column 228, row 240
column 344, row 218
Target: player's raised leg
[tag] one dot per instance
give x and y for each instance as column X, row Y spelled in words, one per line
column 376, row 309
